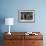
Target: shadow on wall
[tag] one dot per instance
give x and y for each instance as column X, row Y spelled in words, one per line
column 2, row 21
column 1, row 39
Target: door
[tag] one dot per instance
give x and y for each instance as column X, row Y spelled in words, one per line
column 33, row 42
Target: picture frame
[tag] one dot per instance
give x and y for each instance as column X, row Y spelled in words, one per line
column 26, row 16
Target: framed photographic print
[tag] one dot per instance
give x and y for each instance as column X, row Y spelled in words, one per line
column 26, row 16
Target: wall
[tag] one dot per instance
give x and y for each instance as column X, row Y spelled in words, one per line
column 9, row 8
